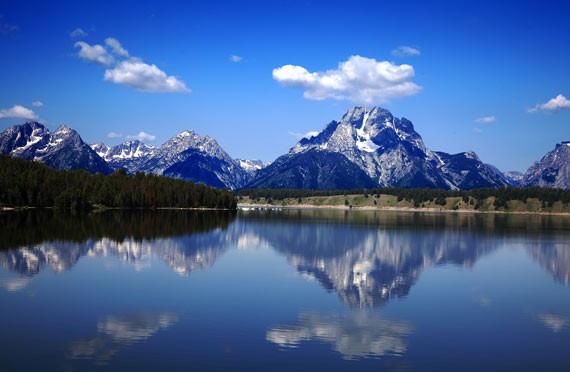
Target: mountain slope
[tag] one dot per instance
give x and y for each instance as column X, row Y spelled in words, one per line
column 129, row 155
column 63, row 149
column 466, row 171
column 553, row 170
column 199, row 159
column 312, row 170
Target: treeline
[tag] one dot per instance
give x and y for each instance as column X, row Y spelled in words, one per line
column 418, row 196
column 26, row 183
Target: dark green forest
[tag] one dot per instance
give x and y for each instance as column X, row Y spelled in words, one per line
column 418, row 196
column 25, row 183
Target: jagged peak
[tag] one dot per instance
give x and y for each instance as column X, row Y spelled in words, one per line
column 64, row 129
column 33, row 124
column 471, row 155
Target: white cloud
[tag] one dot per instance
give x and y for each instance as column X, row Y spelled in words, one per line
column 129, row 71
column 149, row 78
column 77, row 33
column 486, row 119
column 477, row 130
column 94, row 53
column 114, row 135
column 406, row 51
column 37, row 103
column 555, row 104
column 116, row 47
column 18, row 111
column 359, row 79
column 235, row 58
column 304, row 135
column 143, row 137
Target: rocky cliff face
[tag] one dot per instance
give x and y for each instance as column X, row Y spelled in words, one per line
column 553, row 170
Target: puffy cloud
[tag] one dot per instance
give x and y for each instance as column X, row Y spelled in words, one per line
column 486, row 119
column 555, row 104
column 94, row 53
column 114, row 135
column 405, row 51
column 359, row 79
column 18, row 111
column 305, row 135
column 235, row 58
column 37, row 103
column 116, row 47
column 149, row 78
column 142, row 136
column 129, row 71
column 77, row 33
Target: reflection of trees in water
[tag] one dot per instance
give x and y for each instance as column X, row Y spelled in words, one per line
column 28, row 228
column 117, row 332
column 357, row 334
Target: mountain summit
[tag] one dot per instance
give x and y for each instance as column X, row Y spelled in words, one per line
column 375, row 149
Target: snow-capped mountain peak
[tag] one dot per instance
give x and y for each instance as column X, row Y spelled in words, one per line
column 387, row 149
column 62, row 149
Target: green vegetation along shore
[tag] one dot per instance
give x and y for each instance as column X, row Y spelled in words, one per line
column 25, row 183
column 506, row 200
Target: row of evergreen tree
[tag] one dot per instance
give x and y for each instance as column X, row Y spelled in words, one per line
column 26, row 183
column 418, row 196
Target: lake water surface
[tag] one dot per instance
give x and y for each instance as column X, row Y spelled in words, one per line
column 283, row 290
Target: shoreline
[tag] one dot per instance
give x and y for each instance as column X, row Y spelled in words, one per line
column 98, row 210
column 391, row 209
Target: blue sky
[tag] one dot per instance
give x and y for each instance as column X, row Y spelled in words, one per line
column 493, row 77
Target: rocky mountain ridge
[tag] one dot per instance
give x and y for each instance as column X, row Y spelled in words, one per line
column 367, row 148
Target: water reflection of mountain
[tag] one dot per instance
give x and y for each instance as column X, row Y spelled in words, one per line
column 130, row 236
column 554, row 257
column 368, row 266
column 367, row 258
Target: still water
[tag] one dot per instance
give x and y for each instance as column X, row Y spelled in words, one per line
column 283, row 290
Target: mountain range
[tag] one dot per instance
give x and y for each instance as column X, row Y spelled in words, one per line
column 367, row 148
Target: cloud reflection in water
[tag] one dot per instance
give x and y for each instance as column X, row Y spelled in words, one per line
column 357, row 334
column 117, row 332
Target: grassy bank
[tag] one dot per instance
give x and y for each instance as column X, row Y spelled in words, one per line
column 391, row 202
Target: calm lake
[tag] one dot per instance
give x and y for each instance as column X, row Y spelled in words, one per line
column 283, row 290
